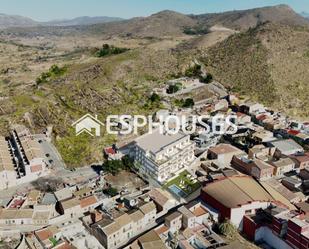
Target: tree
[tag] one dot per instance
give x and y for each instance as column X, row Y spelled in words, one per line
column 155, row 97
column 207, row 79
column 227, row 229
column 188, row 103
column 173, row 88
column 128, row 162
column 111, row 191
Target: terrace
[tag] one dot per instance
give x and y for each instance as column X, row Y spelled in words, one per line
column 183, row 185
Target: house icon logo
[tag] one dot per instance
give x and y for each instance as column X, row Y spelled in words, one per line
column 88, row 124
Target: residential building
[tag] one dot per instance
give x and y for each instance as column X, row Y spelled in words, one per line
column 298, row 233
column 29, row 154
column 174, row 221
column 160, row 156
column 287, row 147
column 7, row 166
column 263, row 136
column 115, row 231
column 223, row 154
column 256, row 167
column 301, row 161
column 283, row 166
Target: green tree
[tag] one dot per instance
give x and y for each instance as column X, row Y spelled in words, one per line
column 227, row 229
column 111, row 191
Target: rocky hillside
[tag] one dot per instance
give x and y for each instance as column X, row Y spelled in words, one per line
column 244, row 19
column 269, row 62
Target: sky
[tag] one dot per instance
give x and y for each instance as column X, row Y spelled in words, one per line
column 44, row 10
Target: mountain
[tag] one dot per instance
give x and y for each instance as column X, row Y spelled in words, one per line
column 244, row 19
column 268, row 63
column 8, row 21
column 305, row 14
column 169, row 23
column 11, row 21
column 83, row 20
column 164, row 23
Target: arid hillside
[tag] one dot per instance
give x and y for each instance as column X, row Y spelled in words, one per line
column 269, row 62
column 51, row 76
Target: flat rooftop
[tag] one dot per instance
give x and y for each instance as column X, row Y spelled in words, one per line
column 156, row 141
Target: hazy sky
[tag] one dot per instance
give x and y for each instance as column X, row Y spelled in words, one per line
column 43, row 10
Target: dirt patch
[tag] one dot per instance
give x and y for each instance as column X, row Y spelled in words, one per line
column 125, row 180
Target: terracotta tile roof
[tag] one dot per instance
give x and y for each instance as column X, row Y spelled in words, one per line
column 199, row 211
column 161, row 230
column 46, row 233
column 88, row 201
column 224, row 149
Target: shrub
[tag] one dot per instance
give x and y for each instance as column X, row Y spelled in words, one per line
column 111, row 191
column 53, row 72
column 110, row 50
column 207, row 79
column 197, row 30
column 194, row 71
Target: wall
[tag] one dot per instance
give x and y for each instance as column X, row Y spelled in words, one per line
column 266, row 235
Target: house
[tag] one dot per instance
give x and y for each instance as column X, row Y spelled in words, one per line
column 283, row 166
column 287, row 147
column 30, row 156
column 301, row 161
column 149, row 211
column 223, row 154
column 256, row 167
column 263, row 136
column 70, row 207
column 138, row 221
column 242, row 118
column 63, row 194
column 201, row 213
column 261, row 170
column 159, row 156
column 33, row 197
column 150, row 240
column 251, row 108
column 248, row 196
column 83, row 192
column 16, row 217
column 112, row 153
column 47, row 237
column 7, row 166
column 174, row 222
column 188, row 218
column 261, row 152
column 162, row 199
column 113, row 233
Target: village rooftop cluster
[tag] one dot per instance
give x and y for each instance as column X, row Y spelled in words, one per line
column 178, row 190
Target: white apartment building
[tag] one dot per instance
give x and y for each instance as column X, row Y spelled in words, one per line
column 159, row 156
